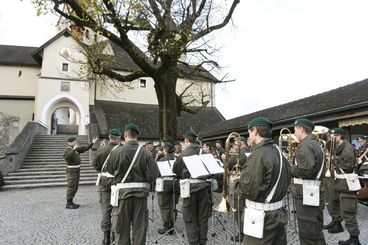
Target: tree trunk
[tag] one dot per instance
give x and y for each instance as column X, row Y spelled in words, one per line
column 165, row 86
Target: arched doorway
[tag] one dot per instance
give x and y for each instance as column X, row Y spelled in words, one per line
column 64, row 120
column 63, row 114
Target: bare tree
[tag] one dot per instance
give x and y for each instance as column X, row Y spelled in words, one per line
column 169, row 28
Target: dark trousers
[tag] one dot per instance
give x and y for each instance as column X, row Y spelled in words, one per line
column 104, row 196
column 239, row 205
column 348, row 206
column 329, row 194
column 310, row 223
column 72, row 177
column 166, row 204
column 195, row 214
column 131, row 212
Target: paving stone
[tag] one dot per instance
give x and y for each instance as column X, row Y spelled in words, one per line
column 38, row 216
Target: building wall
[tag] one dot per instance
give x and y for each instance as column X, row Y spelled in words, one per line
column 18, row 80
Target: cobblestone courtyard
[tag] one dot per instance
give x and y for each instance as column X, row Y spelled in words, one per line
column 38, row 216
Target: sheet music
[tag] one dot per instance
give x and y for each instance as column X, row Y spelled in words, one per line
column 211, row 164
column 195, row 166
column 165, row 168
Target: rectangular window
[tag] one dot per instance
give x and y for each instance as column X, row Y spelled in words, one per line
column 142, row 83
column 65, row 67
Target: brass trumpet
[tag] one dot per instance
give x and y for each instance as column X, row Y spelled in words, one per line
column 225, row 206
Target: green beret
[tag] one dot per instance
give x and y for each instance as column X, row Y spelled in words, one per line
column 115, row 132
column 338, row 131
column 150, row 142
column 190, row 134
column 304, row 122
column 177, row 143
column 71, row 139
column 259, row 121
column 168, row 146
column 207, row 144
column 243, row 139
column 131, row 127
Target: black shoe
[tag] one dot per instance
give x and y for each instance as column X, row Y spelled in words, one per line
column 236, row 238
column 165, row 229
column 329, row 225
column 353, row 240
column 336, row 228
column 71, row 205
column 106, row 239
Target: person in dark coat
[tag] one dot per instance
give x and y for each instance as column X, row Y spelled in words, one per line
column 195, row 207
column 105, row 180
column 263, row 183
column 73, row 162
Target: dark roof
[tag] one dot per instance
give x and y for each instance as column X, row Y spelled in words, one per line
column 354, row 95
column 109, row 114
column 17, row 55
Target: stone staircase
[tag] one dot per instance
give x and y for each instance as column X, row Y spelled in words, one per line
column 44, row 165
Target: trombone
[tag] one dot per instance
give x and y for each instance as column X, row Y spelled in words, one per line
column 318, row 132
column 225, row 206
column 288, row 144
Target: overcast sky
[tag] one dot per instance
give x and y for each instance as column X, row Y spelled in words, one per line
column 277, row 50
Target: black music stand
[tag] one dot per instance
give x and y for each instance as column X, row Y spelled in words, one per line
column 166, row 171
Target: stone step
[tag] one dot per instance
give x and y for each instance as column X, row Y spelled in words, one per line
column 49, row 176
column 40, row 181
column 52, row 156
column 47, row 171
column 52, row 165
column 39, row 185
column 50, row 160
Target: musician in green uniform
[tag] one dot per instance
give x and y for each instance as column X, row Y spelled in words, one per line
column 134, row 169
column 264, row 182
column 105, row 180
column 346, row 201
column 168, row 198
column 239, row 202
column 362, row 155
column 307, row 173
column 73, row 162
column 195, row 207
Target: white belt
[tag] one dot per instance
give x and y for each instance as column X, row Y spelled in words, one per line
column 106, row 174
column 365, row 163
column 307, row 182
column 167, row 178
column 264, row 206
column 73, row 166
column 196, row 181
column 339, row 176
column 133, row 185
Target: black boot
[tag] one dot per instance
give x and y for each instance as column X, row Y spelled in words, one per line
column 71, row 205
column 164, row 229
column 236, row 238
column 106, row 239
column 329, row 225
column 353, row 240
column 336, row 228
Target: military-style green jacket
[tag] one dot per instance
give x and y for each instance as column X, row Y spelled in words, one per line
column 99, row 160
column 181, row 170
column 362, row 150
column 144, row 169
column 260, row 174
column 71, row 156
column 345, row 159
column 309, row 160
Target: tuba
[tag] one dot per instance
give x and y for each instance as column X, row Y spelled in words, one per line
column 225, row 206
column 288, row 144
